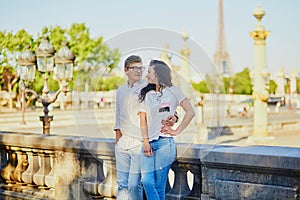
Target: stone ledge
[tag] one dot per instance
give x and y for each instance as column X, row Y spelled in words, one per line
column 285, row 158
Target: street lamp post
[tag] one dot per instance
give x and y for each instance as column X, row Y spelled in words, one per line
column 63, row 71
column 260, row 93
column 26, row 72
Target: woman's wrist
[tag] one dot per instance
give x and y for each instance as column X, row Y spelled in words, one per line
column 146, row 139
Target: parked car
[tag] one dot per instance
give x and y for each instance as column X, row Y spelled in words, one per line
column 275, row 100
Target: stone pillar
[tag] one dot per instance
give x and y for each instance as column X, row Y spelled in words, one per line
column 197, row 183
column 185, row 54
column 184, row 68
column 293, row 82
column 44, row 169
column 180, row 188
column 22, row 164
column 8, row 170
column 94, row 169
column 280, row 83
column 164, row 56
column 108, row 187
column 260, row 80
column 3, row 161
column 33, row 167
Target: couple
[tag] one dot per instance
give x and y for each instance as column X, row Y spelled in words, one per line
column 145, row 148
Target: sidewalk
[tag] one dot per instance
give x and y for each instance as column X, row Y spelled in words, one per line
column 100, row 122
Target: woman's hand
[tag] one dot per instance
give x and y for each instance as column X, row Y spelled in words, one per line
column 168, row 131
column 147, row 149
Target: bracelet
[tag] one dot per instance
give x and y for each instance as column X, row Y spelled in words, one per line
column 145, row 138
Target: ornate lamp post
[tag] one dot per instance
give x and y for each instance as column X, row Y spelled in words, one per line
column 63, row 71
column 26, row 72
column 260, row 82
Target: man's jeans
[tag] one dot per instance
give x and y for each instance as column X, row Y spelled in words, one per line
column 155, row 169
column 128, row 173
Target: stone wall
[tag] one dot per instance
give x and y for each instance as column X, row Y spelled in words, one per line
column 70, row 167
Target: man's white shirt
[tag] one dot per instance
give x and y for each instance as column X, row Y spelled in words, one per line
column 127, row 114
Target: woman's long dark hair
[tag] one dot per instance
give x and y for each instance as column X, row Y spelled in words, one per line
column 163, row 73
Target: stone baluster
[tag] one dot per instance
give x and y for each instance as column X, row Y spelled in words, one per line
column 3, row 161
column 108, row 187
column 197, row 183
column 33, row 167
column 50, row 179
column 180, row 188
column 44, row 169
column 168, row 186
column 96, row 168
column 7, row 171
column 21, row 166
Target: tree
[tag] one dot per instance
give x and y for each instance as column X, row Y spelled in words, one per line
column 91, row 54
column 298, row 84
column 10, row 47
column 272, row 86
column 242, row 82
column 200, row 87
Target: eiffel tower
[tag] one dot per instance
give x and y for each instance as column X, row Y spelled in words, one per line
column 221, row 57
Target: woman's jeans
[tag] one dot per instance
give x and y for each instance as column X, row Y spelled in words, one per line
column 155, row 169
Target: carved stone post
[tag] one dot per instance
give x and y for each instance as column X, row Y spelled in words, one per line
column 39, row 177
column 33, row 166
column 180, row 188
column 197, row 183
column 22, row 164
column 108, row 187
column 7, row 172
column 95, row 168
column 3, row 160
column 50, row 179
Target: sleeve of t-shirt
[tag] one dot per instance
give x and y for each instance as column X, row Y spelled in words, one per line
column 178, row 94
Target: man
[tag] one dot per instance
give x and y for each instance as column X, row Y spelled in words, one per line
column 128, row 142
column 128, row 133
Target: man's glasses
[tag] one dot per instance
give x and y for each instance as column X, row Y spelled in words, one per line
column 136, row 69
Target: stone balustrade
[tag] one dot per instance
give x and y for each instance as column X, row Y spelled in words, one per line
column 35, row 166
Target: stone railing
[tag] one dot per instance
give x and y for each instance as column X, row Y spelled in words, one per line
column 37, row 166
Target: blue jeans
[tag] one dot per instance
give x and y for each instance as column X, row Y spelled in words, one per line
column 155, row 169
column 128, row 173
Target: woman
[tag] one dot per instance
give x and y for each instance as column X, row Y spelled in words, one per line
column 160, row 99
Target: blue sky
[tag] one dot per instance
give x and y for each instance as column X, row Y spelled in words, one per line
column 196, row 17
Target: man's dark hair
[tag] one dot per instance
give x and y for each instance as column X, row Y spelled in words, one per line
column 132, row 59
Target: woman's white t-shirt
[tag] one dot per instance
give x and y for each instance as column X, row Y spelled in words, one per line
column 158, row 106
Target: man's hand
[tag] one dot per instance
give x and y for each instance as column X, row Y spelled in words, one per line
column 118, row 135
column 170, row 121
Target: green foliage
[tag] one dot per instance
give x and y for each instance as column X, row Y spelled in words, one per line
column 226, row 84
column 298, row 85
column 91, row 54
column 112, row 83
column 272, row 86
column 200, row 87
column 287, row 89
column 242, row 82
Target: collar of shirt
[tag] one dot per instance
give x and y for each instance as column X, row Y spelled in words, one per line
column 135, row 84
